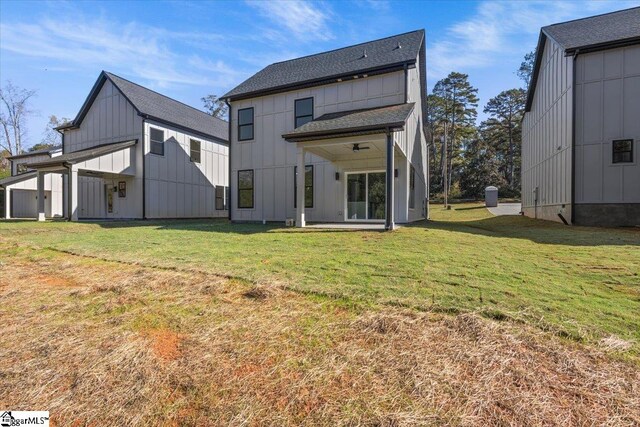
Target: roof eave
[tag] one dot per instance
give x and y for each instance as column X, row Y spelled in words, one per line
column 542, row 38
column 339, row 133
column 65, row 162
column 602, row 46
column 318, row 82
column 185, row 128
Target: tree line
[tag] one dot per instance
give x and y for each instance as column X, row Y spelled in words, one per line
column 467, row 156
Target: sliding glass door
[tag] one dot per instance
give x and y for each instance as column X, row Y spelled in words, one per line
column 366, row 196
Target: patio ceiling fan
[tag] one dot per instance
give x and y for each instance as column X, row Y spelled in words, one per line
column 356, row 147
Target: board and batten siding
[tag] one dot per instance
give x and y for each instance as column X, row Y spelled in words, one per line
column 547, row 138
column 110, row 119
column 25, row 193
column 607, row 108
column 24, row 199
column 412, row 142
column 273, row 159
column 27, row 160
column 178, row 187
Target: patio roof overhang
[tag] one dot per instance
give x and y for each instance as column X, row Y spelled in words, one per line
column 353, row 123
column 64, row 161
column 17, row 178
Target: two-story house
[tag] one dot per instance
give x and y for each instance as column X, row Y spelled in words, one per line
column 134, row 153
column 581, row 127
column 333, row 137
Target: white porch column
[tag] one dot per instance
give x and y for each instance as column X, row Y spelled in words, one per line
column 72, row 192
column 7, row 202
column 300, row 200
column 389, row 217
column 41, row 200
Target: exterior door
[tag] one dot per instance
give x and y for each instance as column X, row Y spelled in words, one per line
column 366, row 196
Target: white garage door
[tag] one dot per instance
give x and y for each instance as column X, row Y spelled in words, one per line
column 25, row 203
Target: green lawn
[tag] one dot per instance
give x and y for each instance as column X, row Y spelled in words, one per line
column 579, row 282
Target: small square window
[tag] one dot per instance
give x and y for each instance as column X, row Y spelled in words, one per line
column 156, row 145
column 22, row 168
column 194, row 151
column 622, row 151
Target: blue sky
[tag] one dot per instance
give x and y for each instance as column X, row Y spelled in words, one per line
column 187, row 50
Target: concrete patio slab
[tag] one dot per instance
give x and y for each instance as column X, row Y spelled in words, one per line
column 347, row 226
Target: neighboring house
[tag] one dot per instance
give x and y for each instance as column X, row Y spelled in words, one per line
column 20, row 195
column 581, row 128
column 133, row 153
column 349, row 121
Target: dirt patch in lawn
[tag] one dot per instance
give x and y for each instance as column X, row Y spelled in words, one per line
column 159, row 347
column 49, row 280
column 165, row 344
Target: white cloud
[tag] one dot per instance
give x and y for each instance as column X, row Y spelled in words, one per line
column 501, row 29
column 133, row 49
column 302, row 19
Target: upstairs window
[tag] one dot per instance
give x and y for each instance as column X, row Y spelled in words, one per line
column 22, row 168
column 308, row 186
column 157, row 141
column 245, row 124
column 303, row 111
column 194, row 150
column 412, row 188
column 623, row 151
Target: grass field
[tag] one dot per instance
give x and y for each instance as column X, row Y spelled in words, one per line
column 580, row 282
column 468, row 320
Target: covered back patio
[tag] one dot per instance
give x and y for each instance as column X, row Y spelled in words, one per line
column 115, row 161
column 362, row 143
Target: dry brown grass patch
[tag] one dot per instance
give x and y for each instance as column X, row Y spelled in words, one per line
column 160, row 347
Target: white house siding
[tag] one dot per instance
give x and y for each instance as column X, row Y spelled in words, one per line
column 607, row 108
column 273, row 159
column 546, row 139
column 110, row 119
column 24, row 198
column 415, row 148
column 178, row 187
column 27, row 160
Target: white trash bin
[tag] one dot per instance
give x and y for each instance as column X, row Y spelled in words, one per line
column 491, row 196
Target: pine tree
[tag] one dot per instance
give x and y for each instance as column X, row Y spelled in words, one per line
column 459, row 103
column 507, row 109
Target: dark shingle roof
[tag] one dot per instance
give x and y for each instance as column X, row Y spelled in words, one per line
column 17, row 178
column 347, row 61
column 158, row 107
column 596, row 30
column 343, row 122
column 588, row 34
column 86, row 154
column 35, row 153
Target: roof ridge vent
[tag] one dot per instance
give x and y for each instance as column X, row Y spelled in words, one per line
column 364, row 54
